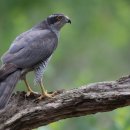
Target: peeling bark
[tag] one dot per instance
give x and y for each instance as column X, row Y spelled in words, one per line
column 24, row 113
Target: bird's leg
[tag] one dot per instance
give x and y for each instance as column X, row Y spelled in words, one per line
column 29, row 90
column 44, row 92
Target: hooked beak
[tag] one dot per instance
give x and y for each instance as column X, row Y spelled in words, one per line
column 68, row 20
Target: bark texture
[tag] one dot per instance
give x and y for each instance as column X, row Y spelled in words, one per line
column 25, row 113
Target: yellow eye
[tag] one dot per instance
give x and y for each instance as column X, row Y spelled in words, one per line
column 59, row 18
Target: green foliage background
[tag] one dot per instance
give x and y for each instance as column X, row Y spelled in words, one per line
column 94, row 48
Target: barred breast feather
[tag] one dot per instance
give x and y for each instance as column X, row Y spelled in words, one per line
column 39, row 70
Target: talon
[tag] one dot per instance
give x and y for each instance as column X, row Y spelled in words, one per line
column 31, row 93
column 46, row 95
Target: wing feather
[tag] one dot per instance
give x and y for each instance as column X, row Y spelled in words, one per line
column 32, row 48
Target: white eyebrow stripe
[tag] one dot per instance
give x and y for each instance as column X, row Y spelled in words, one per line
column 67, row 17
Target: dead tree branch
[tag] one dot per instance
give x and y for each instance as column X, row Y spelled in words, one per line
column 24, row 113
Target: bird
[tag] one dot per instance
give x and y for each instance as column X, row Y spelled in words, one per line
column 30, row 51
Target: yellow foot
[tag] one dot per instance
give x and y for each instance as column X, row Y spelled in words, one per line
column 31, row 93
column 46, row 95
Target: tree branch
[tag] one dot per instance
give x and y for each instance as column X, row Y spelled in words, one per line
column 24, row 113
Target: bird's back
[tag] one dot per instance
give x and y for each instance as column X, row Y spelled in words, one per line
column 34, row 47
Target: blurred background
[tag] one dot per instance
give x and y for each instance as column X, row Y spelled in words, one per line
column 95, row 47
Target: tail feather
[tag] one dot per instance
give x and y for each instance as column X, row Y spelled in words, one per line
column 7, row 69
column 7, row 86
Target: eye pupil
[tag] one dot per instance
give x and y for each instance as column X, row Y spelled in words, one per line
column 59, row 18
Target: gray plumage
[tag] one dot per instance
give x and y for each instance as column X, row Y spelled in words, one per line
column 7, row 87
column 30, row 51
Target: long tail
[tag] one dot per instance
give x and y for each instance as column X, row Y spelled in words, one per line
column 9, row 77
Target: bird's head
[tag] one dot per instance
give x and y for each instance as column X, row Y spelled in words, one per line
column 57, row 21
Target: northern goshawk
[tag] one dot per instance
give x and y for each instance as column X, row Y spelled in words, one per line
column 30, row 51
